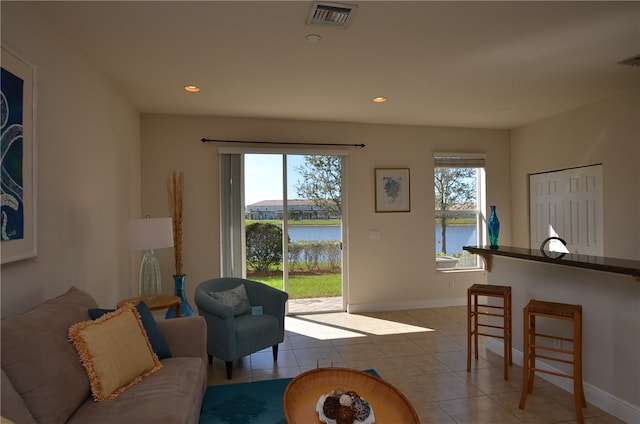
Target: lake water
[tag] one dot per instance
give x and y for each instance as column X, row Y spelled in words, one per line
column 307, row 232
column 457, row 236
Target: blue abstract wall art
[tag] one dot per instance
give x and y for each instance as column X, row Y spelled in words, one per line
column 11, row 119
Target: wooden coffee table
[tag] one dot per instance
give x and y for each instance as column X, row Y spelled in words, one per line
column 163, row 301
column 302, row 395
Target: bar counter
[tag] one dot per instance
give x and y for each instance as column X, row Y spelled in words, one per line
column 608, row 290
column 598, row 263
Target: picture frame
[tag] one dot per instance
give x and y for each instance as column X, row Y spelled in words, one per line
column 18, row 122
column 392, row 190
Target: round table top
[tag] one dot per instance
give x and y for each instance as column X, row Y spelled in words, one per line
column 163, row 301
column 302, row 395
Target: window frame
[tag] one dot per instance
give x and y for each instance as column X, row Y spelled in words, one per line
column 464, row 160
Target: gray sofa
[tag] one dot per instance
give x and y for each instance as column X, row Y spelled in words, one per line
column 44, row 382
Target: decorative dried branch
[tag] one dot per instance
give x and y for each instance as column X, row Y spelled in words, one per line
column 175, row 188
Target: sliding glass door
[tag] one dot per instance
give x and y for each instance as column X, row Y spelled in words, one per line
column 289, row 235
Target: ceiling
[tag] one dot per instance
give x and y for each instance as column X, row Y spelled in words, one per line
column 462, row 64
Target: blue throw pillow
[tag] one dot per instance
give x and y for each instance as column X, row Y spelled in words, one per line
column 237, row 298
column 156, row 339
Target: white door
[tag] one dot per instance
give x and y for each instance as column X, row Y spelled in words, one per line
column 568, row 204
column 583, row 210
column 546, row 205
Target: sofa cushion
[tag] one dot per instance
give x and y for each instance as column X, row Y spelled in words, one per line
column 12, row 406
column 236, row 298
column 156, row 338
column 173, row 395
column 115, row 351
column 39, row 360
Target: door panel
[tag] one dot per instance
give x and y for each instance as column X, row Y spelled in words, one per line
column 568, row 204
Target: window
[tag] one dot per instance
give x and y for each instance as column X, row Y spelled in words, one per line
column 459, row 200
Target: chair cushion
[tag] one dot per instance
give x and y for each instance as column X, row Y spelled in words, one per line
column 255, row 332
column 115, row 351
column 236, row 298
column 158, row 342
column 39, row 360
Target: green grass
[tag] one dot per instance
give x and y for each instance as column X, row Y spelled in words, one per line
column 303, row 286
column 458, row 221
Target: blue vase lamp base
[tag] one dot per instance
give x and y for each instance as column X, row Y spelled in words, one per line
column 185, row 308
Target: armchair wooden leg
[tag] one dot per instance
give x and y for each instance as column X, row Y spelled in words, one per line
column 229, row 368
column 275, row 352
column 210, row 359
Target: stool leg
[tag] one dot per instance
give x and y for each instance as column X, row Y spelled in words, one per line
column 510, row 332
column 469, row 312
column 475, row 324
column 525, row 359
column 505, row 339
column 532, row 351
column 578, row 391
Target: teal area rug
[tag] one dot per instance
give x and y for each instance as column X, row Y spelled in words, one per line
column 257, row 402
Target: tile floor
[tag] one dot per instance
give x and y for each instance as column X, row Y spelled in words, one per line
column 421, row 352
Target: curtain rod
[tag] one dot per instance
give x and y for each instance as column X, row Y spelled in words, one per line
column 211, row 140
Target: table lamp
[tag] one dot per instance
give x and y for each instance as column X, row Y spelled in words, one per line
column 148, row 234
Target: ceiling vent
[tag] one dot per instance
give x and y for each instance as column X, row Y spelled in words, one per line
column 330, row 14
column 633, row 61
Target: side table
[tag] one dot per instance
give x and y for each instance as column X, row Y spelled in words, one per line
column 163, row 301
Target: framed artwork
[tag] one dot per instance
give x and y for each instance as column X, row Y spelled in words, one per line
column 392, row 190
column 18, row 209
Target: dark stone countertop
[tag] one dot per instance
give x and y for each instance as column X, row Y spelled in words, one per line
column 599, row 263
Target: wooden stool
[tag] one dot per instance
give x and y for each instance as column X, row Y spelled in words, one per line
column 563, row 311
column 473, row 325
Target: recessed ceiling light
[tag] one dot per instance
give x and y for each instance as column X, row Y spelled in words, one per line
column 191, row 88
column 379, row 99
column 313, row 38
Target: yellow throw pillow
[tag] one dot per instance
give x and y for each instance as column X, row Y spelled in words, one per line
column 115, row 352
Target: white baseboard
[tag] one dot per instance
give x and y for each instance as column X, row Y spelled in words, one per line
column 404, row 305
column 609, row 403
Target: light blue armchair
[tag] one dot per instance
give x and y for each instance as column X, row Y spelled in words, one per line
column 231, row 337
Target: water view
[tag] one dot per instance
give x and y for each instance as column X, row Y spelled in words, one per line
column 321, row 232
column 457, row 236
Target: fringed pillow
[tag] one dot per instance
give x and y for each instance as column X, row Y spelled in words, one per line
column 115, row 351
column 158, row 343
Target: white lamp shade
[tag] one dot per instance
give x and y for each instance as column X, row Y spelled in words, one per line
column 150, row 233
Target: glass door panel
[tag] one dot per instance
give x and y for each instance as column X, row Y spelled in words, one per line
column 293, row 228
column 314, row 226
column 263, row 200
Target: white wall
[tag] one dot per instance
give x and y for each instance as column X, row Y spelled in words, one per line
column 611, row 325
column 606, row 132
column 396, row 271
column 88, row 169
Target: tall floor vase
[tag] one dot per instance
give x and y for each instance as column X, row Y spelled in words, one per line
column 185, row 308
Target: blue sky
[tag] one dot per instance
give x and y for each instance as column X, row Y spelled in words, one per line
column 263, row 177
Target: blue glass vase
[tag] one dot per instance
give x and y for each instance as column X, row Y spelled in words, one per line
column 185, row 308
column 494, row 228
